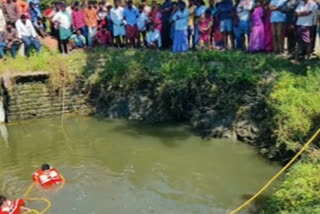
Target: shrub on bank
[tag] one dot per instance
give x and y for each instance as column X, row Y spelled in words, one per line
column 298, row 193
column 295, row 100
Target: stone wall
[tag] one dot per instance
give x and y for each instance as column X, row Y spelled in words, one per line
column 28, row 96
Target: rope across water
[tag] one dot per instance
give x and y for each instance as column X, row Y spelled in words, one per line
column 278, row 174
column 45, row 200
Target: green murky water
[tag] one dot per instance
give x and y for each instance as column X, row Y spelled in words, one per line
column 121, row 167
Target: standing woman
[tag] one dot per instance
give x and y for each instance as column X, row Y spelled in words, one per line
column 156, row 16
column 63, row 19
column 257, row 41
column 267, row 27
column 181, row 19
column 278, row 20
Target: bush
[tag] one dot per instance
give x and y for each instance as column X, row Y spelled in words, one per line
column 298, row 193
column 296, row 103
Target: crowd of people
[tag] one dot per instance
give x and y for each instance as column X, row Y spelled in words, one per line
column 249, row 25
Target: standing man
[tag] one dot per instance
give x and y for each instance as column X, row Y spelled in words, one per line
column 131, row 15
column 91, row 19
column 181, row 19
column 2, row 18
column 243, row 12
column 11, row 12
column 278, row 19
column 305, row 13
column 117, row 19
column 166, row 8
column 28, row 35
column 78, row 19
column 224, row 13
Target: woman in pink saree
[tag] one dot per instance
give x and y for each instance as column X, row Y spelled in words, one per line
column 257, row 35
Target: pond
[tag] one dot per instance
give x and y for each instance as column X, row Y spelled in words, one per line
column 123, row 167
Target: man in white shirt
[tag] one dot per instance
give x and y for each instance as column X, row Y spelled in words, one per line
column 117, row 18
column 28, row 35
column 305, row 13
column 2, row 19
column 314, row 26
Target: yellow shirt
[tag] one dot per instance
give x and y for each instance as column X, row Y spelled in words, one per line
column 191, row 15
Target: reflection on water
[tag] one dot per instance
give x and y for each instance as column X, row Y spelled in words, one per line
column 126, row 167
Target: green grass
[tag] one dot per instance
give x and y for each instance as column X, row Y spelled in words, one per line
column 46, row 61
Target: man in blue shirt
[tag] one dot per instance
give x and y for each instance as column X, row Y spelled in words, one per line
column 224, row 13
column 278, row 19
column 131, row 15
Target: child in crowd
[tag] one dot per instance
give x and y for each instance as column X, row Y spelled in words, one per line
column 205, row 26
column 78, row 40
column 103, row 37
column 154, row 37
column 257, row 40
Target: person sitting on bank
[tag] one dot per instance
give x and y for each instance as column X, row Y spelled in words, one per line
column 28, row 35
column 77, row 40
column 47, row 176
column 12, row 207
column 9, row 41
column 154, row 37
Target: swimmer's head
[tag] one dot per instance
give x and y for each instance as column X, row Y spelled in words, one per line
column 45, row 167
column 2, row 200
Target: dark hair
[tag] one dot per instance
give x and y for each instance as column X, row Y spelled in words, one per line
column 45, row 167
column 141, row 6
column 23, row 16
column 76, row 4
column 181, row 4
column 2, row 199
column 9, row 23
column 208, row 11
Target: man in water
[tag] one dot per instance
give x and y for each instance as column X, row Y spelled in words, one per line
column 12, row 207
column 47, row 176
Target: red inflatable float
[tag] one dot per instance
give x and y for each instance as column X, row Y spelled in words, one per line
column 47, row 176
column 11, row 207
